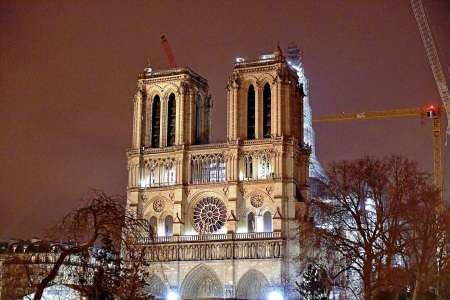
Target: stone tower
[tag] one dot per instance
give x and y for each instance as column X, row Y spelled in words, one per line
column 227, row 214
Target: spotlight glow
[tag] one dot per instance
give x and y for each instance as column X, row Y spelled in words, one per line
column 172, row 295
column 275, row 295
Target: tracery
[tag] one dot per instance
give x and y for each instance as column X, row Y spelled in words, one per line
column 206, row 168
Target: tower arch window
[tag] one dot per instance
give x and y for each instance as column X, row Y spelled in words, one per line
column 153, row 226
column 251, row 222
column 171, row 120
column 251, row 113
column 267, row 220
column 267, row 106
column 248, row 167
column 168, row 226
column 198, row 121
column 156, row 121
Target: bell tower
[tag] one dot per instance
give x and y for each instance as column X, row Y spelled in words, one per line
column 264, row 99
column 171, row 108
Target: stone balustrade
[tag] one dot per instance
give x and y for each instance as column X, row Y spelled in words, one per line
column 259, row 245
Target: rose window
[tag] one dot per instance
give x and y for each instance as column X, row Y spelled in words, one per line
column 209, row 215
column 158, row 205
column 257, row 200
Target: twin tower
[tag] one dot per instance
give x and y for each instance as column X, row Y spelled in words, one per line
column 225, row 215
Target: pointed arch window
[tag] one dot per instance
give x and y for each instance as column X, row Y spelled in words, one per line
column 267, row 106
column 267, row 220
column 153, row 226
column 251, row 222
column 168, row 226
column 156, row 121
column 198, row 121
column 171, row 120
column 251, row 113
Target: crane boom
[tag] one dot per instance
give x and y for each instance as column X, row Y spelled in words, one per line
column 168, row 51
column 392, row 113
column 433, row 112
column 432, row 54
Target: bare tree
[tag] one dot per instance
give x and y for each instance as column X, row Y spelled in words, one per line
column 362, row 227
column 426, row 238
column 100, row 257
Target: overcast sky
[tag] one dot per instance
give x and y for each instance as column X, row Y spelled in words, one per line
column 68, row 75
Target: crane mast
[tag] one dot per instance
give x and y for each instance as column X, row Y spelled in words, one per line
column 432, row 54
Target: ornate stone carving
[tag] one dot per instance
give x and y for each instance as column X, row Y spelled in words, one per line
column 209, row 215
column 257, row 200
column 225, row 190
column 269, row 189
column 158, row 205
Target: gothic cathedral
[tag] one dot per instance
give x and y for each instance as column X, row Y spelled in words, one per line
column 225, row 215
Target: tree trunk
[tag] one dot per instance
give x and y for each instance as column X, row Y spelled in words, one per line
column 367, row 280
column 416, row 289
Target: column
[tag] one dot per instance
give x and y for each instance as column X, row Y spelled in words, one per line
column 228, row 112
column 259, row 112
column 163, row 123
column 191, row 119
column 180, row 132
column 279, row 107
column 234, row 110
column 274, row 108
column 137, row 120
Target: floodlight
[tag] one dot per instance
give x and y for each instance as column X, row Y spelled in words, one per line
column 172, row 295
column 275, row 295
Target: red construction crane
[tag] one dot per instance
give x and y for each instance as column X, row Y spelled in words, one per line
column 168, row 51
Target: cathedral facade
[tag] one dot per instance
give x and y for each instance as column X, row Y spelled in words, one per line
column 225, row 215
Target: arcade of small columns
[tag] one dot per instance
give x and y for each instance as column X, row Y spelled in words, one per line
column 216, row 164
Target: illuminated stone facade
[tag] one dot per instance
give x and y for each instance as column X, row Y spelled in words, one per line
column 225, row 215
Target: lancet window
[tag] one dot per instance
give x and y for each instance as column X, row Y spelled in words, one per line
column 251, row 222
column 206, row 168
column 171, row 119
column 267, row 221
column 256, row 165
column 251, row 113
column 168, row 226
column 158, row 172
column 267, row 111
column 153, row 226
column 156, row 112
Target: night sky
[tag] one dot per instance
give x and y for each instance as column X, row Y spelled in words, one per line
column 68, row 75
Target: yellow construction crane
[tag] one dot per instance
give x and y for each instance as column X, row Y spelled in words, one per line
column 432, row 112
column 433, row 56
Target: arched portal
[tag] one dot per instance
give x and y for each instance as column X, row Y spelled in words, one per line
column 201, row 283
column 252, row 285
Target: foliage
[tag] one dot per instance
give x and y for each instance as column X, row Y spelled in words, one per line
column 313, row 285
